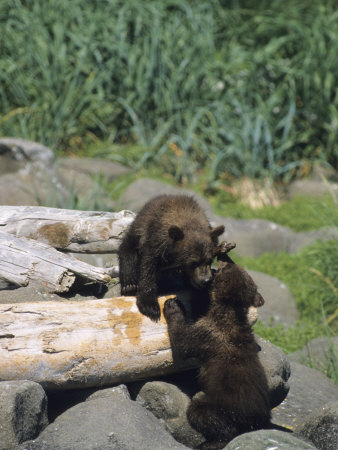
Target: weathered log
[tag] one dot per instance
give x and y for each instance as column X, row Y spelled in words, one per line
column 67, row 230
column 71, row 344
column 23, row 260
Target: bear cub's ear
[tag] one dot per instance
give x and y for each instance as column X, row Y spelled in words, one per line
column 217, row 231
column 175, row 233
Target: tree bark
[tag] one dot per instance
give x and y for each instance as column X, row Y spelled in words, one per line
column 69, row 344
column 67, row 230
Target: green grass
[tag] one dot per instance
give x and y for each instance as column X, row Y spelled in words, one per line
column 246, row 88
column 311, row 275
column 299, row 214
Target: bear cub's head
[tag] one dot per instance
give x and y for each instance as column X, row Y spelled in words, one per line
column 234, row 286
column 193, row 251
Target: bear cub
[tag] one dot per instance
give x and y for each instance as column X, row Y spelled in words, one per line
column 170, row 231
column 235, row 396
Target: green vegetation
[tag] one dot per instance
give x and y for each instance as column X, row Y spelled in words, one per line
column 311, row 275
column 239, row 87
column 299, row 214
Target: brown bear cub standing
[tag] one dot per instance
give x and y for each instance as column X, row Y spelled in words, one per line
column 169, row 231
column 236, row 396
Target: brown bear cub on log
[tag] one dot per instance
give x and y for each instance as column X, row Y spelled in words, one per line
column 236, row 395
column 169, row 231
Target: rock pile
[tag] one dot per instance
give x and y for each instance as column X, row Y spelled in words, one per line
column 150, row 414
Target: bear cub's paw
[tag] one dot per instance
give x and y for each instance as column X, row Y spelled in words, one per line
column 172, row 307
column 150, row 309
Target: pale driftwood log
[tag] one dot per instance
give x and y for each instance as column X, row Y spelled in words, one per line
column 69, row 344
column 23, row 260
column 67, row 230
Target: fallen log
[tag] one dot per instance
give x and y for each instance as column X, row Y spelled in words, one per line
column 24, row 260
column 73, row 344
column 70, row 344
column 67, row 230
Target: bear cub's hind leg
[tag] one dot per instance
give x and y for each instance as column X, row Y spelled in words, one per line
column 212, row 422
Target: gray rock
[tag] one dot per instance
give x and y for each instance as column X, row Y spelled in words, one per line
column 97, row 259
column 255, row 236
column 168, row 403
column 82, row 191
column 25, row 294
column 311, row 188
column 33, row 152
column 277, row 369
column 142, row 190
column 117, row 391
column 16, row 189
column 10, row 161
column 303, row 239
column 268, row 440
column 316, row 352
column 279, row 302
column 321, row 427
column 30, row 177
column 23, row 412
column 105, row 422
column 34, row 187
column 93, row 166
column 309, row 390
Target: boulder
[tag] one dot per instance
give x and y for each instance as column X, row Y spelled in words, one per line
column 277, row 369
column 169, row 404
column 29, row 176
column 268, row 440
column 107, row 420
column 83, row 191
column 255, row 236
column 321, row 427
column 305, row 238
column 31, row 152
column 23, row 412
column 280, row 306
column 309, row 390
column 18, row 189
column 144, row 189
column 10, row 161
column 311, row 188
column 316, row 352
column 104, row 168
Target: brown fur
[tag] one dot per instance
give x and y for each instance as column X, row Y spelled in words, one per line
column 236, row 396
column 169, row 231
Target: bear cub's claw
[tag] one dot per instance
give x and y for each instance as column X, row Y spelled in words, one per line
column 129, row 289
